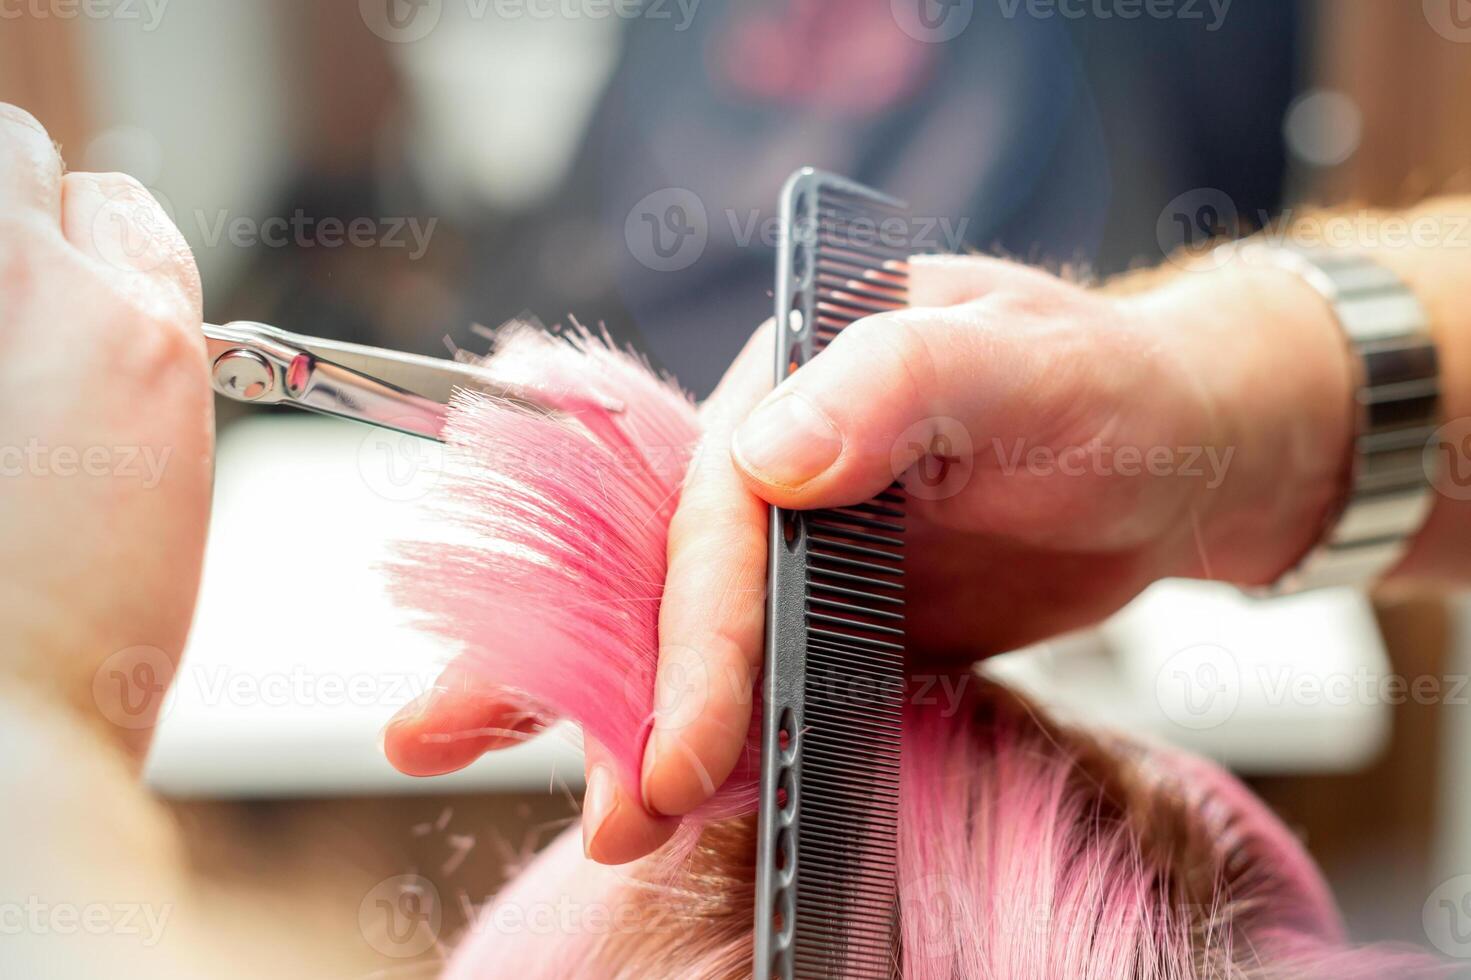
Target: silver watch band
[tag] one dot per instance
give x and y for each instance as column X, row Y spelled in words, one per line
column 1397, row 400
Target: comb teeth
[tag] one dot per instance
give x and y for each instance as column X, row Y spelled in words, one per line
column 856, row 273
column 834, row 689
column 848, row 832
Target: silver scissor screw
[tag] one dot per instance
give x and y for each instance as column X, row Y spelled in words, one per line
column 244, row 374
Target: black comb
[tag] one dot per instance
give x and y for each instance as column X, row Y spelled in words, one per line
column 826, row 855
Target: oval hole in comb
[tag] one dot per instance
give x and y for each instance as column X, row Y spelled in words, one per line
column 791, row 529
column 786, row 736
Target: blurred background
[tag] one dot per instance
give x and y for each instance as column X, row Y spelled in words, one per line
column 395, row 172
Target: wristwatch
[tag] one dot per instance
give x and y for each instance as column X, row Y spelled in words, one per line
column 1397, row 402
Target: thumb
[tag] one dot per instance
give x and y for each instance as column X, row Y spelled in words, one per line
column 889, row 391
column 897, row 389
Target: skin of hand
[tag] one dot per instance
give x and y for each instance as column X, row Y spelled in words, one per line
column 1063, row 447
column 106, row 439
column 108, row 430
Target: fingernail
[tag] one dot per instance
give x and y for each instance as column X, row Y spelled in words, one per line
column 598, row 804
column 787, row 442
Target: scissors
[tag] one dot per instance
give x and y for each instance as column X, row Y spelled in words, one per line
column 264, row 365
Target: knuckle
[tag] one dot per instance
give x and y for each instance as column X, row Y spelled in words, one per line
column 30, row 155
column 14, row 115
column 107, row 180
column 126, row 202
column 149, row 328
column 900, row 341
column 152, row 333
column 181, row 341
column 134, row 235
column 113, row 179
column 1031, row 301
column 163, row 345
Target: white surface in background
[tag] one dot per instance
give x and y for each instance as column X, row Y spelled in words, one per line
column 298, row 656
column 1453, row 818
column 1292, row 684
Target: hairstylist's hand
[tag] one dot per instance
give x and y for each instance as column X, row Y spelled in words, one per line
column 105, row 432
column 1091, row 444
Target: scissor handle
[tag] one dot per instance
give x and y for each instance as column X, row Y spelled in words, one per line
column 264, row 365
column 261, row 365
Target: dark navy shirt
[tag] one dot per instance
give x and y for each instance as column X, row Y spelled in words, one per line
column 1055, row 139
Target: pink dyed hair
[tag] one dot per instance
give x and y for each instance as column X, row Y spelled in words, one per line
column 1027, row 850
column 554, row 588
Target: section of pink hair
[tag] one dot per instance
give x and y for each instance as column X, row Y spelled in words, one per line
column 551, row 588
column 1013, row 867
